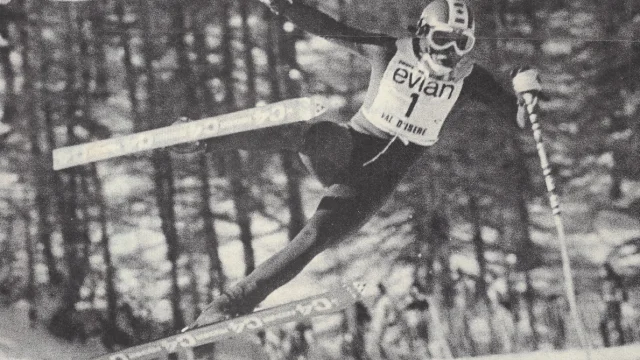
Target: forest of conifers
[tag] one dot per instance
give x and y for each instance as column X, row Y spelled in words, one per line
column 84, row 240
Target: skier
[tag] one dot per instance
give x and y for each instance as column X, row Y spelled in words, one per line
column 415, row 83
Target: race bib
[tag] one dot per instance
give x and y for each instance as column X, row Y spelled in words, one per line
column 409, row 103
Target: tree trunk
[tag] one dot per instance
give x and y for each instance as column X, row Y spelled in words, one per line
column 294, row 200
column 279, row 79
column 208, row 108
column 184, row 72
column 163, row 170
column 9, row 75
column 100, row 48
column 32, row 285
column 7, row 261
column 216, row 275
column 247, row 43
column 617, row 175
column 193, row 287
column 131, row 78
column 194, row 108
column 432, row 230
column 42, row 174
column 84, row 107
column 241, row 199
column 500, row 20
column 352, row 84
column 190, row 109
column 85, row 217
column 109, row 275
column 530, row 298
column 517, row 217
column 207, row 72
column 529, row 10
column 48, row 199
column 517, row 214
column 67, row 196
column 234, row 163
column 478, row 245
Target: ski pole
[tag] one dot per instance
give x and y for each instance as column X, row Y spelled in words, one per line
column 531, row 101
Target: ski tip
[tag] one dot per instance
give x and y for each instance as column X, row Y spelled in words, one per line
column 58, row 161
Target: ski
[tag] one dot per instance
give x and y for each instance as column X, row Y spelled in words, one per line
column 326, row 303
column 280, row 113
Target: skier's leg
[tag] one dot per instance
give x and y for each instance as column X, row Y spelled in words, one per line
column 338, row 216
column 327, row 151
column 289, row 136
column 271, row 139
column 325, row 147
column 350, row 202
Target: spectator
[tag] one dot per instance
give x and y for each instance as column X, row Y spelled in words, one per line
column 357, row 320
column 614, row 294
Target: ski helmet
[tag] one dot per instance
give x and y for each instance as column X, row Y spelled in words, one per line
column 446, row 24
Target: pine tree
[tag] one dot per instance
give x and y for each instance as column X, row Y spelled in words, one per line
column 282, row 64
column 162, row 165
column 208, row 107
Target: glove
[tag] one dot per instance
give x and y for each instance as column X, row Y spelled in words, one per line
column 525, row 80
column 277, row 6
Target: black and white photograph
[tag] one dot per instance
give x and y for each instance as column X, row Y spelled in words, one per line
column 319, row 179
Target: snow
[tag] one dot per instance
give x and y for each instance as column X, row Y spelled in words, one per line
column 465, row 264
column 590, row 247
column 557, row 47
column 126, row 243
column 162, row 310
column 128, row 279
column 120, row 186
column 631, row 352
column 231, row 253
column 19, row 341
column 614, row 228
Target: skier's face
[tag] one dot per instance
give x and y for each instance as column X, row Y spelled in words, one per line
column 446, row 57
column 439, row 61
column 442, row 46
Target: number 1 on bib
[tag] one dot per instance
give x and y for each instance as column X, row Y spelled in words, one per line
column 414, row 101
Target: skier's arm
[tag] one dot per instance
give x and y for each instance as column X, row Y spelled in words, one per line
column 483, row 87
column 318, row 23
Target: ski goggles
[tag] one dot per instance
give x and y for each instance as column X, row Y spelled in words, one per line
column 440, row 38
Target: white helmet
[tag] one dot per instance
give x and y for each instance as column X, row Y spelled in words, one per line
column 446, row 24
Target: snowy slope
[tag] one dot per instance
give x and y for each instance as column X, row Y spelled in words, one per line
column 19, row 341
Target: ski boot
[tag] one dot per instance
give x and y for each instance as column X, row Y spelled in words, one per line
column 226, row 306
